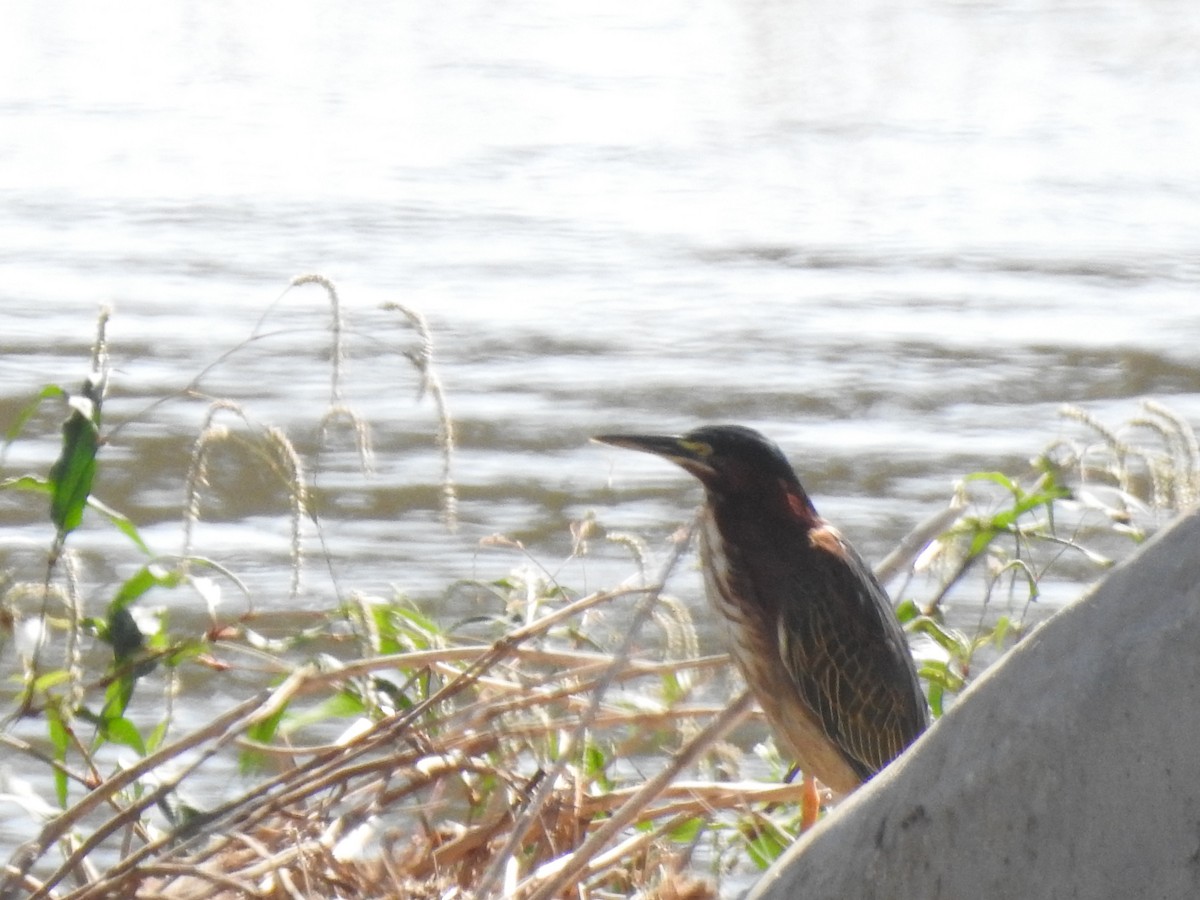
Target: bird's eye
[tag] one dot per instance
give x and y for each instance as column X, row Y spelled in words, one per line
column 698, row 448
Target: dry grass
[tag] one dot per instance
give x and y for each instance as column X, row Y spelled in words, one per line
column 525, row 770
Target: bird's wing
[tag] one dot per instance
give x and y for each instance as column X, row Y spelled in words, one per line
column 847, row 654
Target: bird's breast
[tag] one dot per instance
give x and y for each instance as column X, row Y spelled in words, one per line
column 734, row 596
column 722, row 567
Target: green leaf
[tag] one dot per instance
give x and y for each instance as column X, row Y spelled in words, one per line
column 765, row 841
column 50, row 679
column 984, row 530
column 940, row 675
column 996, row 477
column 124, row 636
column 936, row 699
column 60, row 739
column 405, row 629
column 29, row 483
column 687, row 831
column 907, row 611
column 155, row 738
column 72, row 474
column 175, row 655
column 50, row 391
column 951, row 640
column 984, row 535
column 263, row 732
column 595, row 764
column 144, row 579
column 342, row 705
column 594, row 760
column 1000, row 631
column 122, row 523
column 394, row 692
column 416, row 622
column 116, row 698
column 119, row 730
column 672, row 689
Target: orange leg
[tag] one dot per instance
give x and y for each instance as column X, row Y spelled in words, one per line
column 810, row 804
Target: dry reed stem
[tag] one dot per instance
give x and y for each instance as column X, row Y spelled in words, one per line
column 422, row 361
column 906, row 552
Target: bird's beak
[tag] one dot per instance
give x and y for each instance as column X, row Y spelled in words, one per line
column 688, row 454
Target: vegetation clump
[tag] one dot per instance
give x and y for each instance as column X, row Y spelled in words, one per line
column 561, row 743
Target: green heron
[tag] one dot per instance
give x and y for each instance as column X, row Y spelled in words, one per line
column 811, row 629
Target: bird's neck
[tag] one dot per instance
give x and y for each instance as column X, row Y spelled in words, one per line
column 782, row 500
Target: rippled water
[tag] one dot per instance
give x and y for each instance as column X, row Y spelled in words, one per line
column 896, row 236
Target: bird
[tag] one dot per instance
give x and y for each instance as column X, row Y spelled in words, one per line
column 810, row 627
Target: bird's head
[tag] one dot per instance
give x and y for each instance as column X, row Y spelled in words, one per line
column 730, row 460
